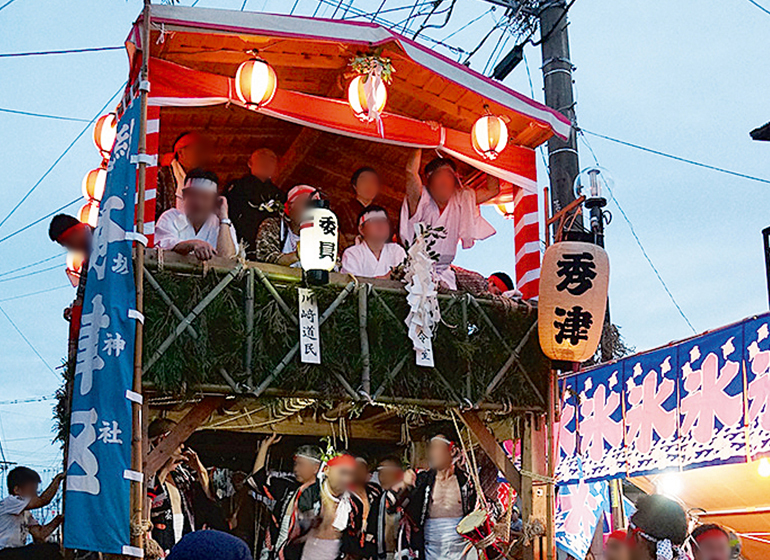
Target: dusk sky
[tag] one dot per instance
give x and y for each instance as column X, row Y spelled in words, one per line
column 689, row 78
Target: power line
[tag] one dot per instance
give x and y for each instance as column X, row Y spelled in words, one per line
column 7, row 4
column 30, row 265
column 28, row 274
column 21, row 334
column 43, row 116
column 55, row 163
column 36, row 293
column 18, row 231
column 67, row 51
column 757, row 4
column 676, row 158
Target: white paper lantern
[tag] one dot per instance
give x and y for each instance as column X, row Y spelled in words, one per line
column 574, row 278
column 489, row 136
column 358, row 96
column 105, row 131
column 89, row 213
column 256, row 83
column 318, row 240
column 505, row 210
column 93, row 184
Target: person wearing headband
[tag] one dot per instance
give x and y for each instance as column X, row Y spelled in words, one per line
column 373, row 256
column 278, row 235
column 657, row 530
column 190, row 150
column 254, row 197
column 282, row 491
column 616, row 548
column 710, row 542
column 384, row 518
column 367, row 187
column 202, row 227
column 443, row 202
column 436, row 502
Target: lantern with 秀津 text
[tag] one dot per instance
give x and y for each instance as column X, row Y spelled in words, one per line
column 256, row 83
column 89, row 213
column 367, row 96
column 489, row 136
column 574, row 279
column 105, row 131
column 93, row 184
column 318, row 238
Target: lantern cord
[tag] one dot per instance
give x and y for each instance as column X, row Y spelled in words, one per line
column 25, row 267
column 68, row 51
column 43, row 116
column 30, row 294
column 32, row 346
column 18, row 231
column 56, row 162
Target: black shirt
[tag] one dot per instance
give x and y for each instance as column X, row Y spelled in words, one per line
column 250, row 201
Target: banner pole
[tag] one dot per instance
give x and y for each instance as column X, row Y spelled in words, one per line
column 137, row 487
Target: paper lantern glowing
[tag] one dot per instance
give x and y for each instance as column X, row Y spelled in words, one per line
column 764, row 467
column 75, row 262
column 489, row 136
column 105, row 131
column 89, row 213
column 93, row 184
column 256, row 83
column 360, row 92
column 318, row 241
column 574, row 278
column 505, row 210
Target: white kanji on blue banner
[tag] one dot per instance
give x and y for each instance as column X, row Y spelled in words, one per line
column 579, row 508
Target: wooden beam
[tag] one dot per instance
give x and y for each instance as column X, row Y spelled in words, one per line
column 308, row 428
column 492, row 448
column 526, row 483
column 296, row 153
column 183, row 430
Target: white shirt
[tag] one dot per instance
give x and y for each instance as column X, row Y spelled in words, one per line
column 15, row 522
column 179, row 177
column 173, row 227
column 359, row 259
column 461, row 220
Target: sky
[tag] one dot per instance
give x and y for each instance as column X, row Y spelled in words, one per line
column 688, row 78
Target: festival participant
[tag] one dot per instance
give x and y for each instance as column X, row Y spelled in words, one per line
column 206, row 545
column 517, row 525
column 616, row 548
column 710, row 542
column 372, row 256
column 384, row 517
column 190, row 151
column 438, row 500
column 657, row 530
column 254, row 197
column 500, row 284
column 175, row 489
column 326, row 523
column 282, row 491
column 444, row 203
column 202, row 227
column 278, row 236
column 17, row 523
column 367, row 187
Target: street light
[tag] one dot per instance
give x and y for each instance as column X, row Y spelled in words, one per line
column 595, row 184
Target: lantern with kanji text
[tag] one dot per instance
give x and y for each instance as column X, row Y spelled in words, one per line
column 318, row 238
column 255, row 83
column 574, row 279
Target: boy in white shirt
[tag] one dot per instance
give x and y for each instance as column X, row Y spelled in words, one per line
column 372, row 256
column 17, row 523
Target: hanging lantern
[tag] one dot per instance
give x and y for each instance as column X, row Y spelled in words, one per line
column 362, row 90
column 489, row 136
column 89, row 213
column 574, row 278
column 318, row 242
column 505, row 210
column 93, row 184
column 74, row 267
column 105, row 130
column 256, row 83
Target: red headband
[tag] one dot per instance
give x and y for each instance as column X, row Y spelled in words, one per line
column 69, row 232
column 344, row 460
column 184, row 141
column 619, row 535
column 711, row 533
column 499, row 283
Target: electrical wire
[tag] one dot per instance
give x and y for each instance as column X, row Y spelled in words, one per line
column 34, row 273
column 66, row 51
column 41, row 115
column 471, row 22
column 26, row 266
column 7, row 4
column 36, row 293
column 243, row 6
column 757, row 4
column 32, row 346
column 29, row 225
column 64, row 153
column 676, row 158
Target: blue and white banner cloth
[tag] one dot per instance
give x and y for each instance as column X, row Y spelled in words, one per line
column 579, row 509
column 97, row 487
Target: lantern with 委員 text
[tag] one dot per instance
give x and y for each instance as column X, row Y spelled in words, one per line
column 89, row 213
column 93, row 184
column 489, row 136
column 318, row 238
column 105, row 131
column 574, row 279
column 256, row 83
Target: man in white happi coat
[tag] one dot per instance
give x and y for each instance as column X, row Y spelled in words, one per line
column 373, row 256
column 444, row 202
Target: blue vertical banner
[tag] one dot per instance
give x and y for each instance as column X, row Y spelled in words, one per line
column 601, row 423
column 756, row 337
column 579, row 509
column 568, row 468
column 652, row 435
column 99, row 460
column 711, row 425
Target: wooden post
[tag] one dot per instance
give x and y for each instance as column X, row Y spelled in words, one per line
column 137, row 487
column 527, row 464
column 366, row 381
column 490, row 446
column 468, row 385
column 551, row 464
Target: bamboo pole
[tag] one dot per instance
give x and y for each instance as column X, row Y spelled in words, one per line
column 550, row 464
column 248, row 354
column 366, row 382
column 137, row 458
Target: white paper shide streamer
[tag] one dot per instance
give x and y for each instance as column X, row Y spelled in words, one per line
column 424, row 312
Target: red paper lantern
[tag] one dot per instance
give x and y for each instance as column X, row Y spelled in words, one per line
column 256, row 83
column 89, row 213
column 105, row 131
column 93, row 184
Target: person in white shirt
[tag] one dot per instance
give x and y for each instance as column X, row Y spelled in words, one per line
column 202, row 228
column 17, row 523
column 372, row 256
column 444, row 202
